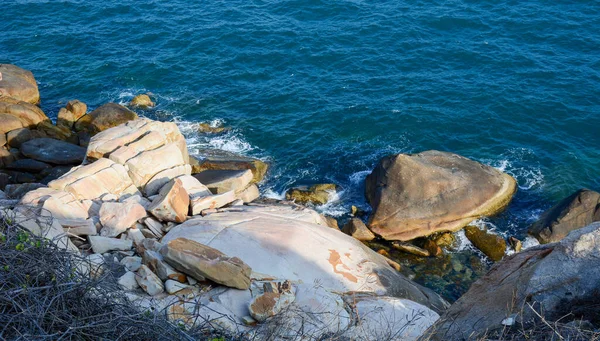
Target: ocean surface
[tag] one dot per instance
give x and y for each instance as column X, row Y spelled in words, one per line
column 324, row 89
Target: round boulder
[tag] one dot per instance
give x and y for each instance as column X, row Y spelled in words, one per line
column 420, row 194
column 18, row 83
column 107, row 116
column 142, row 101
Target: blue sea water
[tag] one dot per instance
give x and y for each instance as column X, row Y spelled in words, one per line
column 324, row 89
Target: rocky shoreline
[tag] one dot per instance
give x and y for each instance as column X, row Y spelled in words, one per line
column 192, row 237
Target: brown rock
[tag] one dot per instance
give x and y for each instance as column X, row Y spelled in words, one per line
column 316, row 194
column 357, row 229
column 201, row 261
column 417, row 195
column 142, row 101
column 9, row 123
column 410, row 248
column 576, row 211
column 71, row 114
column 56, row 132
column 445, row 240
column 28, row 114
column 431, row 247
column 207, row 128
column 104, row 117
column 491, row 244
column 18, row 83
column 331, row 222
column 221, row 181
column 223, row 160
column 172, row 203
column 515, row 244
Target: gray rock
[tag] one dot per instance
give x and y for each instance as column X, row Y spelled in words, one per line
column 574, row 212
column 560, row 279
column 28, row 165
column 53, row 151
column 104, row 244
column 128, row 281
column 149, row 281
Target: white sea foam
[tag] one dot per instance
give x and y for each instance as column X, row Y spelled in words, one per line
column 272, row 194
column 334, row 206
column 530, row 242
column 358, row 177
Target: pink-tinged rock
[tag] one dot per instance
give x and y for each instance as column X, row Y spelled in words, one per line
column 212, row 201
column 201, row 261
column 149, row 281
column 172, row 203
column 145, row 166
column 117, row 217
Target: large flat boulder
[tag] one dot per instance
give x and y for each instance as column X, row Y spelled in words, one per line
column 286, row 243
column 221, row 181
column 18, row 83
column 53, row 151
column 415, row 195
column 559, row 279
column 574, row 212
column 104, row 117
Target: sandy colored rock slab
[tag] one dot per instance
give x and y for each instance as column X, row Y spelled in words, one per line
column 96, row 180
column 193, row 187
column 79, row 227
column 149, row 281
column 108, row 141
column 199, row 204
column 18, row 83
column 201, row 261
column 221, row 181
column 146, row 165
column 172, row 203
column 357, row 229
column 53, row 151
column 117, row 217
column 104, row 244
column 574, row 212
column 415, row 195
column 249, row 194
column 163, row 177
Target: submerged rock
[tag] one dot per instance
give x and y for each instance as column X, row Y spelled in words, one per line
column 491, row 244
column 316, row 194
column 560, row 279
column 574, row 212
column 415, row 195
column 223, row 160
column 410, row 248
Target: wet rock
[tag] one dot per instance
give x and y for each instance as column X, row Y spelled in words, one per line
column 574, row 212
column 57, row 132
column 357, row 229
column 222, row 160
column 316, row 194
column 117, row 217
column 104, row 117
column 445, row 240
column 172, row 203
column 149, row 281
column 208, row 128
column 141, row 101
column 104, row 244
column 53, row 151
column 420, row 194
column 18, row 83
column 515, row 244
column 431, row 247
column 201, row 261
column 28, row 165
column 491, row 244
column 410, row 248
column 357, row 212
column 555, row 278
